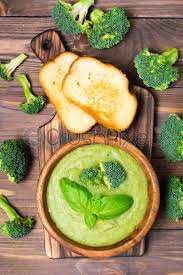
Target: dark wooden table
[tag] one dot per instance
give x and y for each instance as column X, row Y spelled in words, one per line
column 156, row 24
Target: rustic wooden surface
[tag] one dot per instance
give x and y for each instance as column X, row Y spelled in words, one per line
column 157, row 24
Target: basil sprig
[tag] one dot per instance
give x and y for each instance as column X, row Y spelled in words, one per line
column 113, row 206
column 90, row 219
column 76, row 195
column 93, row 206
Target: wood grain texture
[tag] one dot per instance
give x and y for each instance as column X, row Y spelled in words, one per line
column 157, row 34
column 27, row 256
column 144, row 32
column 144, row 8
column 47, row 45
column 159, row 259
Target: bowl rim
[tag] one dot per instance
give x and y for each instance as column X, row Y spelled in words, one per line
column 121, row 246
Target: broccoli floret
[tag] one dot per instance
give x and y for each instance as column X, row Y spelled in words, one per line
column 15, row 159
column 34, row 103
column 113, row 173
column 70, row 19
column 91, row 176
column 171, row 138
column 17, row 226
column 6, row 70
column 107, row 29
column 174, row 199
column 156, row 70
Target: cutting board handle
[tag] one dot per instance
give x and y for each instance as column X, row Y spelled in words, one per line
column 47, row 45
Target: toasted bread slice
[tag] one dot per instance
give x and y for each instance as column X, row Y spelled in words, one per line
column 51, row 76
column 102, row 91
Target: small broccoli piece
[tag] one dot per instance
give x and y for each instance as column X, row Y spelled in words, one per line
column 34, row 103
column 91, row 176
column 15, row 159
column 113, row 173
column 156, row 70
column 17, row 226
column 171, row 138
column 107, row 29
column 174, row 199
column 70, row 19
column 6, row 70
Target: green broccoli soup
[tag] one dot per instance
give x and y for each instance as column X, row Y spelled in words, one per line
column 97, row 212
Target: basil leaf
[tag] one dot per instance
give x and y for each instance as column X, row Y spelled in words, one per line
column 77, row 196
column 90, row 220
column 113, row 206
column 94, row 204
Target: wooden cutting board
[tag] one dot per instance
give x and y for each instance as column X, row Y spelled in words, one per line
column 53, row 134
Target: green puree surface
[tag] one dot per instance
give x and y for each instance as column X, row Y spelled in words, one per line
column 105, row 232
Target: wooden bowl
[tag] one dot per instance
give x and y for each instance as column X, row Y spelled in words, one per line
column 136, row 236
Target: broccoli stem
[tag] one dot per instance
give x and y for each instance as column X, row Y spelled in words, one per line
column 80, row 9
column 26, row 86
column 180, row 147
column 8, row 209
column 14, row 63
column 171, row 55
column 96, row 15
column 180, row 202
